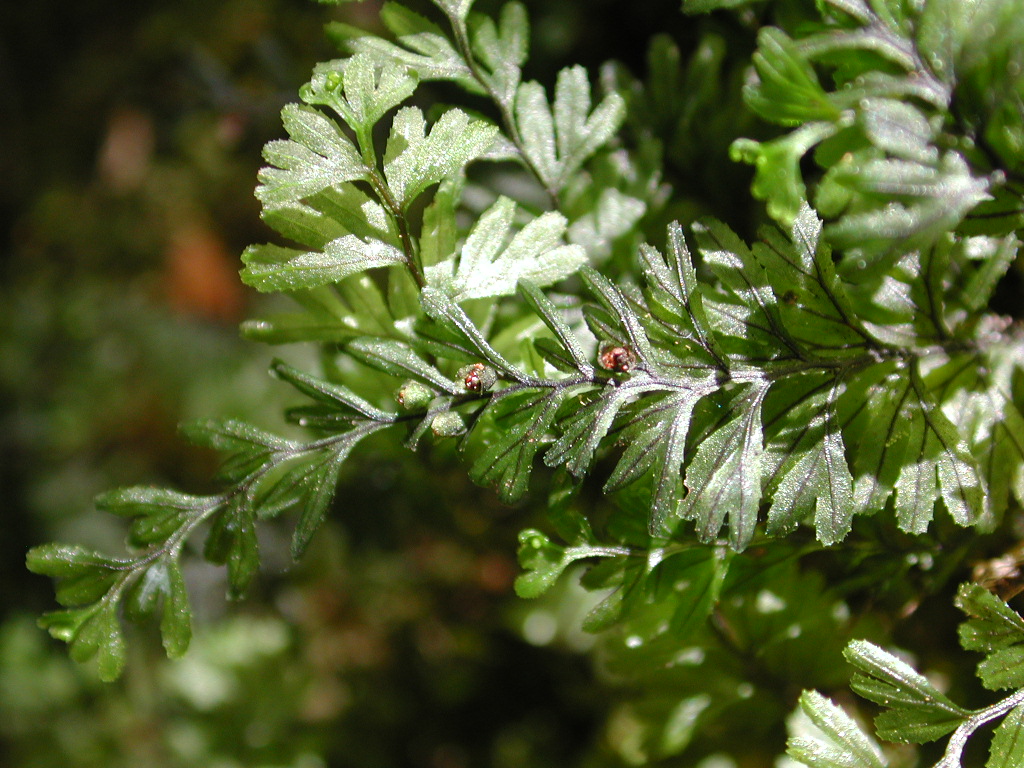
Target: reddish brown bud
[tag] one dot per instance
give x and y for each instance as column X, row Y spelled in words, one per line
column 477, row 377
column 619, row 359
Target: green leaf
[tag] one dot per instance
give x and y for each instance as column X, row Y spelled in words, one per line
column 706, row 6
column 916, row 203
column 543, row 561
column 994, row 260
column 1007, row 747
column 353, row 212
column 501, row 48
column 815, row 477
column 271, row 267
column 880, row 435
column 303, row 224
column 585, row 428
column 317, row 156
column 993, row 624
column 898, row 128
column 144, row 596
column 691, row 583
column 423, row 47
column 455, row 322
column 158, row 512
column 398, row 359
column 248, row 447
column 176, row 623
column 787, row 90
column 456, row 9
column 916, row 488
column 838, row 742
column 557, row 143
column 943, row 30
column 917, row 712
column 943, row 448
column 492, row 265
column 439, row 236
column 415, row 160
column 667, row 456
column 292, row 327
column 778, row 179
column 83, row 576
column 91, row 632
column 219, row 434
column 232, row 541
column 546, row 310
column 333, row 395
column 320, row 477
column 749, row 314
column 63, row 560
column 537, row 126
column 1003, row 668
column 613, row 299
column 815, row 307
column 370, row 89
column 507, row 461
column 723, row 479
column 673, row 285
column 579, row 132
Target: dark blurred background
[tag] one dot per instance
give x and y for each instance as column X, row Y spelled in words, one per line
column 129, row 143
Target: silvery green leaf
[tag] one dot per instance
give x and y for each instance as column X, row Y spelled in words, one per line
column 455, row 322
column 415, row 159
column 271, row 267
column 328, row 393
column 723, row 479
column 557, row 143
column 1003, row 668
column 422, row 46
column 501, row 48
column 318, row 156
column 491, row 264
column 834, row 741
column 547, row 311
column 456, row 9
column 303, row 224
column 507, row 461
column 816, row 480
column 361, row 89
column 916, row 202
column 579, row 131
column 399, row 359
column 537, row 127
column 898, row 128
column 938, row 462
column 615, row 214
column 992, row 624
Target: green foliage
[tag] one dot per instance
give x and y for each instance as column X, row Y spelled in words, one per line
column 777, row 421
column 914, row 709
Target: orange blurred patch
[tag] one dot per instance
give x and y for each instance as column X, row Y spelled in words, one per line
column 201, row 277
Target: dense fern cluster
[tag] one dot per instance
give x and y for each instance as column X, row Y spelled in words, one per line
column 844, row 364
